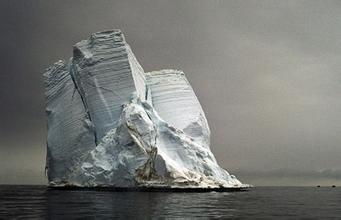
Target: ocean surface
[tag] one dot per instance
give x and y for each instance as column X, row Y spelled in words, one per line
column 260, row 202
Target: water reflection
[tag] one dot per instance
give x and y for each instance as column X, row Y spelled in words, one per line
column 133, row 204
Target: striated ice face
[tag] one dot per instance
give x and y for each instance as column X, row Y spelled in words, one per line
column 174, row 99
column 70, row 132
column 111, row 124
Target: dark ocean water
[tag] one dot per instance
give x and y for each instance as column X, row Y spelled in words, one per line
column 261, row 202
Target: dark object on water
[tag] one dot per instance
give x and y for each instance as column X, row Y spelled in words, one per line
column 333, row 186
column 318, row 186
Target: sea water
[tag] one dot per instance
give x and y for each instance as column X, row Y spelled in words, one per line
column 259, row 202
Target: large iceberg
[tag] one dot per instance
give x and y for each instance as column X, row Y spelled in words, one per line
column 110, row 124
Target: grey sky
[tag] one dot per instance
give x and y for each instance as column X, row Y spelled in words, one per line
column 267, row 73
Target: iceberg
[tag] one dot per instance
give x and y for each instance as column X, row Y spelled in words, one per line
column 110, row 124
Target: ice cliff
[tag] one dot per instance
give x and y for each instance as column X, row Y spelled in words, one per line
column 110, row 124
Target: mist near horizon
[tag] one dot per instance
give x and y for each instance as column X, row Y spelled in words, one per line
column 266, row 73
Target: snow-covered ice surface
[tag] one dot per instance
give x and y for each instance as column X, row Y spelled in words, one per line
column 112, row 125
